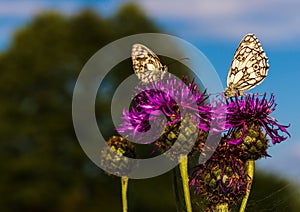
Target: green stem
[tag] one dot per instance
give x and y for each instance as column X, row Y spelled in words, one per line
column 250, row 169
column 124, row 183
column 185, row 182
column 222, row 207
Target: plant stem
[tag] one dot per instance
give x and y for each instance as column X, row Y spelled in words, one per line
column 250, row 164
column 222, row 207
column 183, row 166
column 124, row 183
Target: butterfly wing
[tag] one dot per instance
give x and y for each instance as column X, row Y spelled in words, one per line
column 146, row 64
column 249, row 66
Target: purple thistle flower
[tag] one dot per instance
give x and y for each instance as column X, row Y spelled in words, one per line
column 223, row 178
column 168, row 97
column 235, row 182
column 249, row 110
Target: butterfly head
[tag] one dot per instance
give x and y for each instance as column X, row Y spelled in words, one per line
column 231, row 91
column 164, row 68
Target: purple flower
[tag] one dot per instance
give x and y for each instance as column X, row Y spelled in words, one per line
column 170, row 98
column 252, row 110
column 223, row 178
column 229, row 176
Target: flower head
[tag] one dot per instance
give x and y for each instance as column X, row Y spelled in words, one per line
column 250, row 110
column 169, row 98
column 111, row 156
column 223, row 178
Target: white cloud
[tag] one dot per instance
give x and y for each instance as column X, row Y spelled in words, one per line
column 20, row 8
column 274, row 20
column 29, row 8
column 14, row 14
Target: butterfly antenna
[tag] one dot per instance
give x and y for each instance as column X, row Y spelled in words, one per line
column 254, row 94
column 216, row 94
column 176, row 61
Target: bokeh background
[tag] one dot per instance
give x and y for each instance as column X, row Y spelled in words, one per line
column 44, row 45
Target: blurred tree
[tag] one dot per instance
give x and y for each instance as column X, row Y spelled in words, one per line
column 43, row 167
column 273, row 193
column 135, row 23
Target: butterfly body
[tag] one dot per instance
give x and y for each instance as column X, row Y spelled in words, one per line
column 249, row 67
column 146, row 64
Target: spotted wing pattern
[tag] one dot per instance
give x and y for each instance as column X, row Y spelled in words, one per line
column 249, row 66
column 146, row 64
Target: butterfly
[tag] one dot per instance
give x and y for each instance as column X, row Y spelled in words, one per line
column 249, row 67
column 146, row 64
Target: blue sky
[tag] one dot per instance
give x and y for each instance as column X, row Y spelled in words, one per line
column 216, row 28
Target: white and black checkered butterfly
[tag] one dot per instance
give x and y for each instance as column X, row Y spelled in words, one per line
column 146, row 64
column 249, row 66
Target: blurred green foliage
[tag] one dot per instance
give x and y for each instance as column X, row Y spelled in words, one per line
column 273, row 193
column 43, row 167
